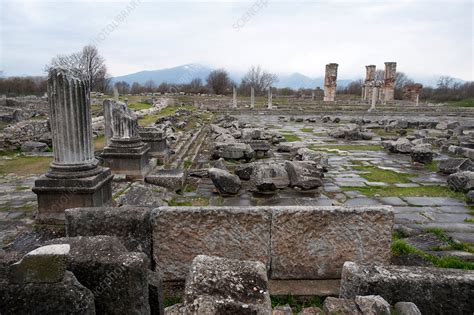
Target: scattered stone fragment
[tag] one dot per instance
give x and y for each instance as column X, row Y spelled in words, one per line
column 225, row 182
column 422, row 153
column 461, row 181
column 455, row 165
column 320, row 158
column 311, row 311
column 226, row 286
column 269, row 177
column 232, row 151
column 372, row 305
column 407, row 308
column 335, row 306
column 220, row 164
column 32, row 146
column 350, row 132
column 305, row 175
column 282, row 310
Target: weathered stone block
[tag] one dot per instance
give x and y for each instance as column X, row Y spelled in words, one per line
column 314, row 242
column 172, row 179
column 67, row 296
column 335, row 306
column 130, row 224
column 117, row 278
column 227, row 286
column 45, row 264
column 182, row 233
column 225, row 182
column 433, row 290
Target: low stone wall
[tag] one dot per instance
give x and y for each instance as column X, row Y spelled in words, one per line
column 433, row 290
column 293, row 242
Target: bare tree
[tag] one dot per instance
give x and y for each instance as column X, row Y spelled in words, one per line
column 137, row 88
column 150, row 86
column 88, row 63
column 218, row 81
column 260, row 79
column 122, row 87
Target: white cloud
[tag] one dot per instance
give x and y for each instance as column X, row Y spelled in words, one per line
column 424, row 37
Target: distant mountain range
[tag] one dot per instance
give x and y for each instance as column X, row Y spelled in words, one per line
column 185, row 73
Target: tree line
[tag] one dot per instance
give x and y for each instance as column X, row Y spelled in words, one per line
column 91, row 65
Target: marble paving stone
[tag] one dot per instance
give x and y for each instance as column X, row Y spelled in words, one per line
column 451, row 217
column 376, row 184
column 406, row 185
column 433, row 201
column 351, row 184
column 453, row 209
column 392, row 201
column 410, row 218
column 361, row 202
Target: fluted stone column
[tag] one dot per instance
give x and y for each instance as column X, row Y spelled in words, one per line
column 252, row 97
column 389, row 81
column 330, row 82
column 234, row 97
column 107, row 108
column 270, row 96
column 126, row 154
column 74, row 178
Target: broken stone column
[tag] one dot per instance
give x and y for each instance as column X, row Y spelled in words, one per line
column 107, row 108
column 270, row 96
column 312, row 95
column 126, row 154
column 234, row 97
column 330, row 82
column 374, row 96
column 252, row 97
column 74, row 178
column 389, row 81
column 40, row 284
column 369, row 82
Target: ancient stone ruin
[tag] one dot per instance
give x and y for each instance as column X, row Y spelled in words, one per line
column 194, row 204
column 330, row 82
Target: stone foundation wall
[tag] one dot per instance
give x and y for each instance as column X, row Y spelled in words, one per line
column 293, row 242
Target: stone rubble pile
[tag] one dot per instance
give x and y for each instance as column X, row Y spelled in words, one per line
column 351, row 132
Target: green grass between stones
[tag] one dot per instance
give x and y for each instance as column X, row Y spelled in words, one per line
column 307, row 130
column 189, row 202
column 400, row 247
column 296, row 303
column 139, row 106
column 376, row 174
column 289, row 137
column 25, row 165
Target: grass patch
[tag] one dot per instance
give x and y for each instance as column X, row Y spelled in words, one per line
column 296, row 304
column 422, row 191
column 172, row 300
column 452, row 243
column 25, row 165
column 99, row 143
column 433, row 166
column 187, row 164
column 468, row 102
column 375, row 174
column 139, row 106
column 291, row 137
column 469, row 220
column 400, row 247
column 348, row 147
column 307, row 130
column 167, row 111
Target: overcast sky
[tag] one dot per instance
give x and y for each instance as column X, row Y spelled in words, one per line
column 425, row 37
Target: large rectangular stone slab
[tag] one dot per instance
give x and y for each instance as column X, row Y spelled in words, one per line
column 314, row 242
column 130, row 224
column 433, row 290
column 182, row 233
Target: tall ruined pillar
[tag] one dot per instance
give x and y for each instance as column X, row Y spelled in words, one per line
column 369, row 82
column 74, row 178
column 234, row 97
column 252, row 97
column 126, row 154
column 270, row 96
column 389, row 81
column 330, row 82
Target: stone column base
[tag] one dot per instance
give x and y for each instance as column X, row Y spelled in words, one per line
column 132, row 162
column 57, row 194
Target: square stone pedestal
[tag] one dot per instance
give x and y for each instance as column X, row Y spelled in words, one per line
column 157, row 141
column 133, row 162
column 57, row 194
